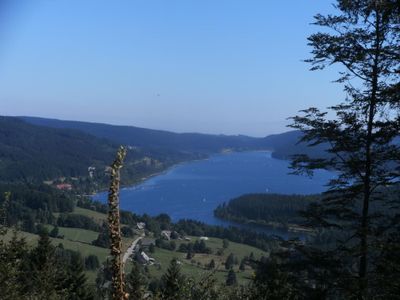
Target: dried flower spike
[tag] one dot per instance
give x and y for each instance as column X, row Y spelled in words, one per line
column 117, row 283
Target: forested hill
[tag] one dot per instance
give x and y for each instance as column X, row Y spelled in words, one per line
column 286, row 144
column 265, row 209
column 156, row 139
column 283, row 145
column 31, row 153
column 37, row 149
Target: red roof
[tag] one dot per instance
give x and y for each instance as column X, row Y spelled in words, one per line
column 64, row 186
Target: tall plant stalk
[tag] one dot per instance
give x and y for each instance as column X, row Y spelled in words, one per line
column 117, row 284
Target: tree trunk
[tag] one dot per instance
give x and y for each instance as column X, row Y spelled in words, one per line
column 363, row 278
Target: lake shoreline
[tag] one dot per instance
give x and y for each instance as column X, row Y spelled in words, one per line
column 193, row 189
column 175, row 165
column 288, row 228
column 147, row 177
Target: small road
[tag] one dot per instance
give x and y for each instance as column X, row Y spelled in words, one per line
column 129, row 251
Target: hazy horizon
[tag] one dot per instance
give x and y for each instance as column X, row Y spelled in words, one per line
column 226, row 67
column 161, row 129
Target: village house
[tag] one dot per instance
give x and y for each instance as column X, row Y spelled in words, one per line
column 166, row 234
column 64, row 186
column 91, row 171
column 140, row 225
column 144, row 259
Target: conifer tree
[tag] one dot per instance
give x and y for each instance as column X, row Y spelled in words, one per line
column 173, row 282
column 272, row 282
column 211, row 265
column 251, row 257
column 136, row 283
column 152, row 248
column 364, row 39
column 231, row 278
column 3, row 213
column 75, row 284
column 9, row 256
column 12, row 259
column 92, row 262
column 189, row 254
column 103, row 239
column 242, row 266
column 103, row 280
column 47, row 277
column 54, row 232
column 229, row 262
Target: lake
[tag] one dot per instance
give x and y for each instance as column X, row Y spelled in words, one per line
column 193, row 190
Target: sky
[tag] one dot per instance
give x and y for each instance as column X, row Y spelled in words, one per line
column 210, row 66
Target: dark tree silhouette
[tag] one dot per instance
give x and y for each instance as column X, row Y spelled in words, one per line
column 211, row 265
column 173, row 282
column 229, row 262
column 136, row 283
column 231, row 278
column 76, row 282
column 364, row 38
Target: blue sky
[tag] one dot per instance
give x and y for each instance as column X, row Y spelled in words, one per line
column 212, row 66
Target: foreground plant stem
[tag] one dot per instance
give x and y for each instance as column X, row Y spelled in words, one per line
column 117, row 283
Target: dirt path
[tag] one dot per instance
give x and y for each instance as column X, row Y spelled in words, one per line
column 129, row 251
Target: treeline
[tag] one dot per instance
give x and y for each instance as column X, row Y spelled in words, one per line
column 29, row 205
column 44, row 272
column 188, row 227
column 51, row 272
column 266, row 209
column 32, row 206
column 174, row 285
column 77, row 221
column 127, row 217
column 234, row 234
column 196, row 247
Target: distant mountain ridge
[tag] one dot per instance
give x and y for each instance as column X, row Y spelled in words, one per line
column 283, row 145
column 156, row 139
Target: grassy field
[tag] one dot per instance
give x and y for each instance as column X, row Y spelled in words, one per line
column 80, row 240
column 84, row 248
column 87, row 236
column 76, row 234
column 76, row 239
column 196, row 266
column 96, row 216
column 164, row 256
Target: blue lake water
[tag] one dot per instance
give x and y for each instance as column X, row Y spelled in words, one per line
column 194, row 189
